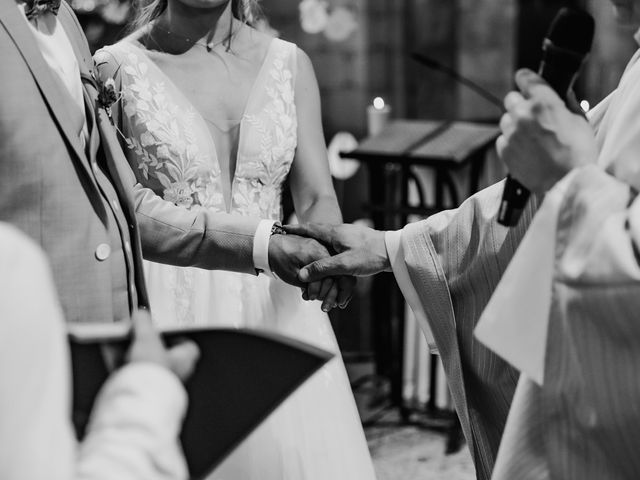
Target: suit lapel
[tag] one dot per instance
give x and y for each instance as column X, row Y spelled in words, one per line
column 123, row 180
column 75, row 33
column 54, row 93
column 85, row 65
column 101, row 131
column 119, row 170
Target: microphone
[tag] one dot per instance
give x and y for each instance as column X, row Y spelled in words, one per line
column 564, row 50
column 437, row 66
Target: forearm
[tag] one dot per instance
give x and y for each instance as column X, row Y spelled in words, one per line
column 322, row 209
column 134, row 428
column 198, row 238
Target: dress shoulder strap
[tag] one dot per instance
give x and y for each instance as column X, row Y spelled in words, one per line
column 287, row 53
column 110, row 59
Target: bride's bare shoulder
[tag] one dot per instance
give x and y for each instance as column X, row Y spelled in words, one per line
column 137, row 36
column 253, row 42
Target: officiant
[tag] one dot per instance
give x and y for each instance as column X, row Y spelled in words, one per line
column 449, row 265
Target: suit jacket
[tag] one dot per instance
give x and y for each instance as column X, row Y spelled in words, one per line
column 82, row 205
column 454, row 260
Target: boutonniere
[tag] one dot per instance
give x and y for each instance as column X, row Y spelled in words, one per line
column 107, row 93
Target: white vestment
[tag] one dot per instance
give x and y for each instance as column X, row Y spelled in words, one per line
column 575, row 412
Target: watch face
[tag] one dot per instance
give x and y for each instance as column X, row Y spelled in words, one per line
column 277, row 229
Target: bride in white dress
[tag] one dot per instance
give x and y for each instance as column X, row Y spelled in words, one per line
column 214, row 114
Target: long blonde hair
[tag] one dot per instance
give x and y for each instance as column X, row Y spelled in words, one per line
column 247, row 11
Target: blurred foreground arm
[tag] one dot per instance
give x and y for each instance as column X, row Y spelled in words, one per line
column 134, row 428
column 135, row 423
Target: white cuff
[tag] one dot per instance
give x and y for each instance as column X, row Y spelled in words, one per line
column 395, row 252
column 261, row 247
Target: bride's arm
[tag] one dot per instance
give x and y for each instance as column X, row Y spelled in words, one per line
column 314, row 197
column 311, row 187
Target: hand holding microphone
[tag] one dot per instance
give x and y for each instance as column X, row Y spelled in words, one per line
column 542, row 139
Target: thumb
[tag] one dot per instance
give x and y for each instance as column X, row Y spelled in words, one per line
column 317, row 231
column 297, row 229
column 142, row 323
column 531, row 84
column 325, row 267
column 183, row 358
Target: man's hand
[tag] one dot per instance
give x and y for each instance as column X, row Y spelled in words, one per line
column 360, row 251
column 289, row 253
column 147, row 346
column 541, row 139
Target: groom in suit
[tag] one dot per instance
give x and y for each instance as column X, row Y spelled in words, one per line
column 65, row 182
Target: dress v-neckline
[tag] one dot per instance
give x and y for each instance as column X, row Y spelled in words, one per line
column 228, row 203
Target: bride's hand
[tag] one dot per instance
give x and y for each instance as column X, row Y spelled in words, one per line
column 333, row 291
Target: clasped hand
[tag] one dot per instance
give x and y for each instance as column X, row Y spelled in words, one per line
column 325, row 259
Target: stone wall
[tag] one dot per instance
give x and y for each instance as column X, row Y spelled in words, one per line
column 474, row 36
column 477, row 37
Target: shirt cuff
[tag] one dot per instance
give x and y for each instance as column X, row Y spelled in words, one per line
column 261, row 247
column 395, row 252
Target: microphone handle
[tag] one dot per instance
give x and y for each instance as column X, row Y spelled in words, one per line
column 514, row 199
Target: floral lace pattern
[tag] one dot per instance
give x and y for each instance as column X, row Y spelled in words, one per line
column 161, row 137
column 259, row 177
column 173, row 153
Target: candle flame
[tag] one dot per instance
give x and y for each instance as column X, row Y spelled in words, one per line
column 585, row 105
column 378, row 103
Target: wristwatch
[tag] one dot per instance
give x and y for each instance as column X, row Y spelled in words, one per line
column 277, row 229
column 266, row 229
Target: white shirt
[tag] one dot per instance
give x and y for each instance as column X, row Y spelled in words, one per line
column 137, row 416
column 57, row 51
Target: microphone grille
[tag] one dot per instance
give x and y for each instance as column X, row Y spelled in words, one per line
column 572, row 29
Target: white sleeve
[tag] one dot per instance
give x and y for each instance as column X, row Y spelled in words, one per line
column 36, row 437
column 134, row 427
column 395, row 252
column 261, row 246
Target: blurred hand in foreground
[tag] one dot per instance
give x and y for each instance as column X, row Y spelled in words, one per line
column 147, row 346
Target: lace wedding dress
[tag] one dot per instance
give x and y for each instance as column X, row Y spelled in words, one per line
column 316, row 433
